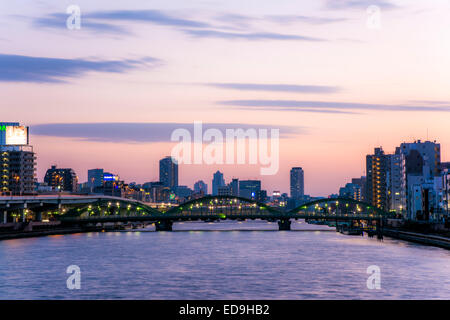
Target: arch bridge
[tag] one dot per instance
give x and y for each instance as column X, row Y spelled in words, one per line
column 83, row 210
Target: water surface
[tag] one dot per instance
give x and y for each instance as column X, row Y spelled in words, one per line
column 259, row 263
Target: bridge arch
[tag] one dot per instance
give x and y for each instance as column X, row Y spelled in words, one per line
column 110, row 206
column 220, row 201
column 365, row 207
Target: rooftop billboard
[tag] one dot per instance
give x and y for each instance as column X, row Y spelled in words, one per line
column 13, row 134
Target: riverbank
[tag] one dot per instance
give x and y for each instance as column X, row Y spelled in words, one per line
column 33, row 234
column 427, row 239
column 10, row 231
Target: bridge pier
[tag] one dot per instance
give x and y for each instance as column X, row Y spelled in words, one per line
column 284, row 225
column 165, row 225
column 5, row 216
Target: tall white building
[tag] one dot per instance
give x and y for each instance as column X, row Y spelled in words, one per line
column 423, row 179
column 423, row 158
column 396, row 180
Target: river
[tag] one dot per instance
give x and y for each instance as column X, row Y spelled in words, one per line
column 227, row 260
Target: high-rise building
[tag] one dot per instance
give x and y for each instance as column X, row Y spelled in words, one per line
column 396, row 183
column 423, row 176
column 18, row 171
column 61, row 179
column 250, row 189
column 217, row 182
column 168, row 172
column 377, row 175
column 421, row 157
column 95, row 178
column 234, row 187
column 201, row 187
column 17, row 160
column 297, row 183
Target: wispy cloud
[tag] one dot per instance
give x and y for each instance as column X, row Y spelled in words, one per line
column 359, row 4
column 245, row 20
column 430, row 102
column 283, row 19
column 152, row 16
column 58, row 21
column 17, row 68
column 141, row 132
column 276, row 87
column 307, row 110
column 108, row 22
column 237, row 20
column 322, row 106
column 249, row 35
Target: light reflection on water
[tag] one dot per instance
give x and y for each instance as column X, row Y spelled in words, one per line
column 197, row 261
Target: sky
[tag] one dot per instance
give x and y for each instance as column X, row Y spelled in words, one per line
column 337, row 78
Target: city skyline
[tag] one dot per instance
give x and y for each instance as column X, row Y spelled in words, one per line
column 228, row 180
column 334, row 97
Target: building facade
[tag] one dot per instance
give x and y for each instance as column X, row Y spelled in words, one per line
column 156, row 192
column 234, row 187
column 17, row 160
column 361, row 182
column 396, row 180
column 250, row 189
column 95, row 178
column 224, row 191
column 62, row 179
column 421, row 157
column 297, row 183
column 217, row 182
column 376, row 180
column 200, row 187
column 18, row 170
column 351, row 191
column 168, row 172
column 446, row 192
column 424, row 195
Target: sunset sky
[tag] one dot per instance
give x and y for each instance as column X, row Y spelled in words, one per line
column 109, row 94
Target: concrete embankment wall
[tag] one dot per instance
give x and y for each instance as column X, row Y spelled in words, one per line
column 427, row 239
column 38, row 229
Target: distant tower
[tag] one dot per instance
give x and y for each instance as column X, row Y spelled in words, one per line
column 297, row 183
column 217, row 182
column 168, row 172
